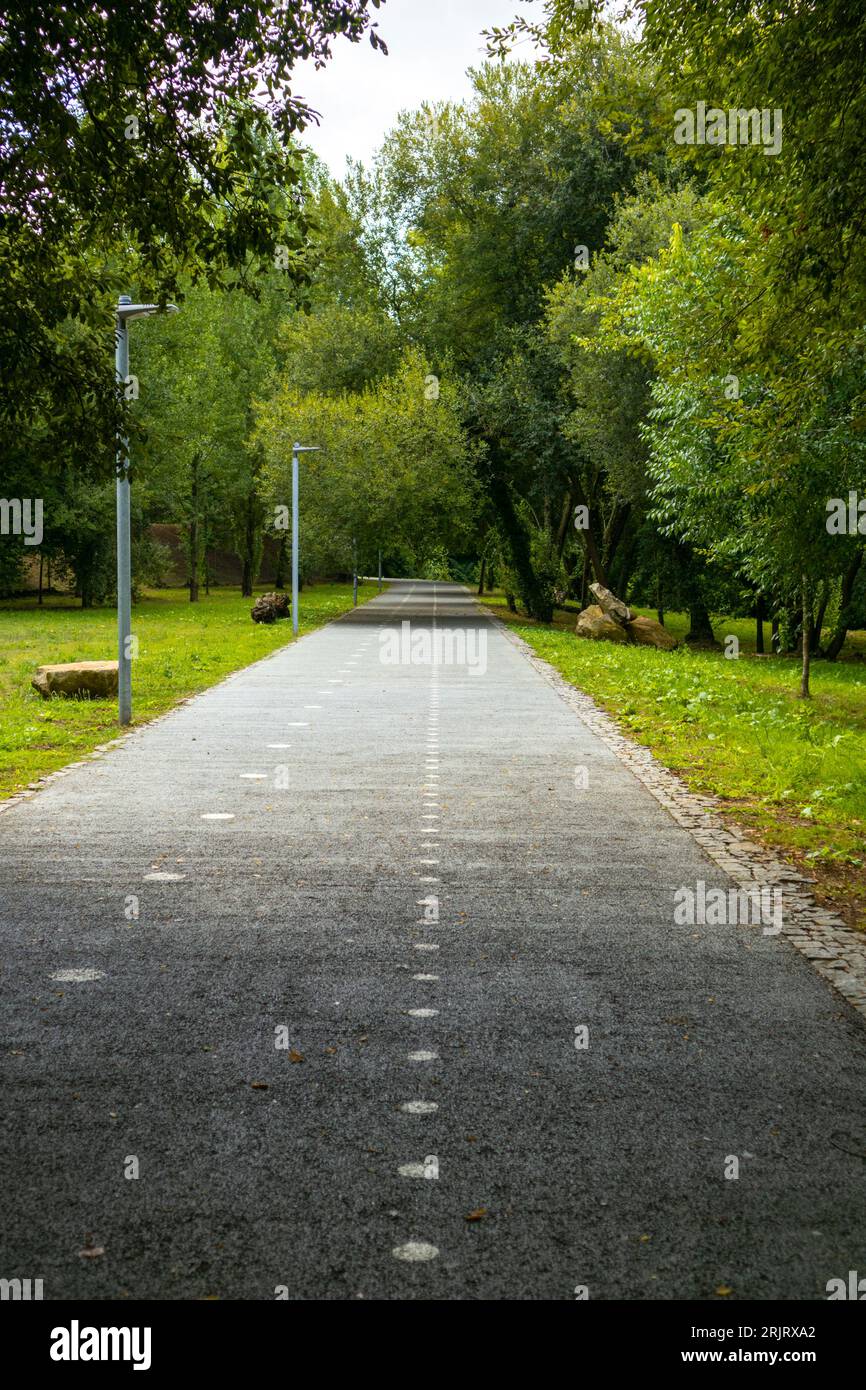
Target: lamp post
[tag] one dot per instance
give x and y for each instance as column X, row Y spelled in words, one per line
column 297, row 449
column 126, row 310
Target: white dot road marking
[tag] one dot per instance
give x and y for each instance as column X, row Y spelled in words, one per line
column 425, row 946
column 427, row 878
column 219, row 815
column 415, row 1251
column 76, row 977
column 254, row 777
column 428, row 861
column 423, row 1056
column 299, row 724
column 312, row 706
column 425, row 977
column 419, row 1107
column 423, row 1013
column 163, row 878
column 279, row 745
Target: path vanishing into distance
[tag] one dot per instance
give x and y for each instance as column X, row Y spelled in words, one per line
column 328, row 1093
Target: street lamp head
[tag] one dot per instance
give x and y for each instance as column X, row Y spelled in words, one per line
column 126, row 310
column 306, row 448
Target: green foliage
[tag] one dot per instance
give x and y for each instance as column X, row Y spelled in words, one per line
column 394, row 468
column 437, row 565
column 138, row 144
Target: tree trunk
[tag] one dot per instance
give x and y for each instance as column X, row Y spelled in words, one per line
column 700, row 631
column 248, row 578
column 805, row 692
column 193, row 558
column 41, row 558
column 584, row 579
column 205, row 546
column 562, row 533
column 837, row 641
column 816, row 627
column 280, row 576
column 193, row 561
column 590, row 544
column 759, row 624
column 614, row 533
column 481, row 576
column 537, row 605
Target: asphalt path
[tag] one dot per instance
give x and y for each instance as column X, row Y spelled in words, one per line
column 312, row 956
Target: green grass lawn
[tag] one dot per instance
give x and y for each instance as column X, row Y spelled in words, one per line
column 183, row 648
column 792, row 771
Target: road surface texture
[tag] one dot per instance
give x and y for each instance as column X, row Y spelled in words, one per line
column 222, row 972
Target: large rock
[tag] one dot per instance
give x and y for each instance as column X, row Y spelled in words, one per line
column 610, row 605
column 592, row 622
column 271, row 607
column 649, row 633
column 97, row 679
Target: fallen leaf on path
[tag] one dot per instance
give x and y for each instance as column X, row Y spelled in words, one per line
column 92, row 1252
column 723, row 1290
column 477, row 1215
column 296, row 1056
column 259, row 1085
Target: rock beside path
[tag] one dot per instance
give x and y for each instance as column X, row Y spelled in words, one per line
column 96, row 679
column 611, row 606
column 648, row 633
column 269, row 608
column 592, row 622
column 611, row 620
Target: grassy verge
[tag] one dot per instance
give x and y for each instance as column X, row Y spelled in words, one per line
column 183, row 648
column 793, row 772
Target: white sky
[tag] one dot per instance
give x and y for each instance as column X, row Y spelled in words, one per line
column 360, row 92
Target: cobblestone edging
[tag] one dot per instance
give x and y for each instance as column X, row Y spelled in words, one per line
column 834, row 950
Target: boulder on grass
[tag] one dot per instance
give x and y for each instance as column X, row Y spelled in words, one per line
column 269, row 608
column 592, row 622
column 96, row 679
column 610, row 605
column 649, row 633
